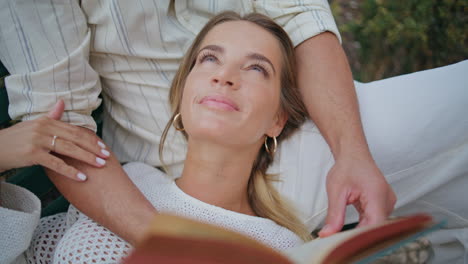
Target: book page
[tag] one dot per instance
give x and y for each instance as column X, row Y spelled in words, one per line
column 364, row 243
column 316, row 250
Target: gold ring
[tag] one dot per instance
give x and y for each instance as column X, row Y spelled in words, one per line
column 53, row 143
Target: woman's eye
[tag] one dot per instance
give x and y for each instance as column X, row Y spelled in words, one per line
column 209, row 58
column 256, row 68
column 259, row 69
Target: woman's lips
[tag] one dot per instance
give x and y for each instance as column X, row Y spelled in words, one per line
column 220, row 102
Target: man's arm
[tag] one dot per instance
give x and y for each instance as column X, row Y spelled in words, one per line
column 326, row 83
column 108, row 196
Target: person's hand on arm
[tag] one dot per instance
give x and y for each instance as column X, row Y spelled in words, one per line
column 34, row 142
column 326, row 83
column 52, row 64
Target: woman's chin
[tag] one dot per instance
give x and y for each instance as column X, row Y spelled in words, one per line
column 216, row 129
column 217, row 119
column 209, row 130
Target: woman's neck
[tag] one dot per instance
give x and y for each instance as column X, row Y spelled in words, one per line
column 218, row 175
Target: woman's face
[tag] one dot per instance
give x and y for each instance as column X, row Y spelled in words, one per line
column 232, row 93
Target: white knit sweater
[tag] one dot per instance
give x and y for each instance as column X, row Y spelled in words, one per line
column 75, row 238
column 19, row 214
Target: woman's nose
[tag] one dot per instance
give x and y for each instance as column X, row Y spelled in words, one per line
column 226, row 77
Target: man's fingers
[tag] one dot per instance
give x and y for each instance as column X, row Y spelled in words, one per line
column 69, row 149
column 56, row 164
column 369, row 218
column 392, row 199
column 375, row 207
column 335, row 215
column 373, row 212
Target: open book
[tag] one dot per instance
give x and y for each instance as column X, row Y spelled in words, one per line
column 173, row 239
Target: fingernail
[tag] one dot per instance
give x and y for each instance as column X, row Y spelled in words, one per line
column 102, row 145
column 100, row 161
column 105, row 152
column 324, row 230
column 81, row 176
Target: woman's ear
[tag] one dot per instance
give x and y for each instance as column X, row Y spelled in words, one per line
column 278, row 124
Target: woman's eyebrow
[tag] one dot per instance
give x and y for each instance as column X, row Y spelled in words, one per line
column 213, row 48
column 258, row 56
column 253, row 55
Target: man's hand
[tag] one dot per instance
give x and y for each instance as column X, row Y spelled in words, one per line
column 357, row 182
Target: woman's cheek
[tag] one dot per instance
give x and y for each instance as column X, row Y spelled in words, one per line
column 263, row 105
column 254, row 77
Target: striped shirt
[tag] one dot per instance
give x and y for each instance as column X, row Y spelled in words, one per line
column 129, row 51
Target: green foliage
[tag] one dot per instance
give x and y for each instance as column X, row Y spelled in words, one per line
column 397, row 37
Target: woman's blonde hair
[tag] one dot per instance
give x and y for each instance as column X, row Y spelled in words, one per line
column 263, row 197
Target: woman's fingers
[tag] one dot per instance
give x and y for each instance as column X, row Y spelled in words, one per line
column 56, row 164
column 34, row 140
column 69, row 140
column 88, row 141
column 71, row 150
column 81, row 137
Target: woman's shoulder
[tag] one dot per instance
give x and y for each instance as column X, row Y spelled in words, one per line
column 151, row 181
column 142, row 172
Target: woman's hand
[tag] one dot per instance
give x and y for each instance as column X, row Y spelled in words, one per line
column 34, row 142
column 358, row 182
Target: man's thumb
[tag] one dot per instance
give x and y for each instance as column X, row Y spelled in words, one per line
column 57, row 110
column 335, row 217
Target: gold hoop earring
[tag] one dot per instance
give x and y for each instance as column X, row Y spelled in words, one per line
column 174, row 123
column 275, row 145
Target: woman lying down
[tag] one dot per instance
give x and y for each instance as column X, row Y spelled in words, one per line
column 234, row 98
